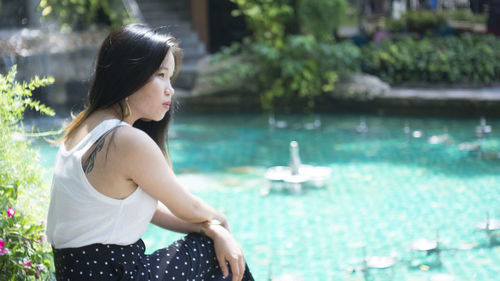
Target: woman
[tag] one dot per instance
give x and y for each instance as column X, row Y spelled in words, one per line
column 112, row 177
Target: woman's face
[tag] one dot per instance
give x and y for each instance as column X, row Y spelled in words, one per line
column 152, row 101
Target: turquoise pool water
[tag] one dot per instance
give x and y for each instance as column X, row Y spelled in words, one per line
column 386, row 190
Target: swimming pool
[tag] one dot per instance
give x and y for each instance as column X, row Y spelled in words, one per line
column 387, row 189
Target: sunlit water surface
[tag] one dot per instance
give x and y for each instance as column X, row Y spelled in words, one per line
column 387, row 189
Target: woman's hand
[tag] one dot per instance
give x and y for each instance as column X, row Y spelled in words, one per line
column 227, row 249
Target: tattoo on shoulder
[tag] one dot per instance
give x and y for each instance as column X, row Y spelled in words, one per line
column 88, row 165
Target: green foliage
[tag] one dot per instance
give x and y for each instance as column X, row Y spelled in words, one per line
column 16, row 97
column 24, row 255
column 291, row 53
column 307, row 68
column 297, row 74
column 428, row 22
column 395, row 25
column 266, row 18
column 465, row 15
column 298, row 65
column 417, row 21
column 423, row 21
column 272, row 21
column 466, row 59
column 80, row 13
column 321, row 18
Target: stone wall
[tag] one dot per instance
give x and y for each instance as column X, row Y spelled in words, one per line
column 68, row 57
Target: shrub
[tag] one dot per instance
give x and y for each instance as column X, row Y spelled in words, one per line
column 272, row 21
column 24, row 255
column 268, row 20
column 321, row 18
column 289, row 66
column 423, row 21
column 453, row 59
column 465, row 15
column 291, row 55
column 417, row 21
column 298, row 73
column 81, row 13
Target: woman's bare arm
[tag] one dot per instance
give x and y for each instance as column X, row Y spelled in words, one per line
column 164, row 218
column 141, row 160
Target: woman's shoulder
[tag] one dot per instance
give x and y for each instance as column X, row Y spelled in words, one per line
column 130, row 137
column 133, row 151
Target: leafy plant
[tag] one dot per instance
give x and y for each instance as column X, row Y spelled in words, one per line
column 464, row 15
column 297, row 74
column 80, row 13
column 291, row 54
column 453, row 59
column 287, row 66
column 321, row 18
column 423, row 21
column 417, row 21
column 267, row 19
column 24, row 255
column 395, row 25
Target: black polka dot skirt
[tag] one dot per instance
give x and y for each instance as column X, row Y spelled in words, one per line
column 191, row 258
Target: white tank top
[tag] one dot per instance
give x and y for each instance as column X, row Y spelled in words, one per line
column 80, row 215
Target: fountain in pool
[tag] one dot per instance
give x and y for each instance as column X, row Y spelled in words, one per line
column 431, row 248
column 482, row 130
column 492, row 229
column 362, row 128
column 282, row 124
column 296, row 175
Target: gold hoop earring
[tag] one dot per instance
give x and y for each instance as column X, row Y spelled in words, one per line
column 127, row 111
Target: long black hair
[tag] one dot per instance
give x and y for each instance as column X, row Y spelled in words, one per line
column 127, row 59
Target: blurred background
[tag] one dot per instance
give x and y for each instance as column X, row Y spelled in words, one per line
column 344, row 139
column 286, row 55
